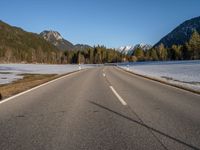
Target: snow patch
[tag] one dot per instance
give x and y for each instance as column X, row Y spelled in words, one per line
column 183, row 73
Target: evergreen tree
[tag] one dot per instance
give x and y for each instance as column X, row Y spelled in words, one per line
column 193, row 46
column 153, row 55
column 139, row 53
column 176, row 52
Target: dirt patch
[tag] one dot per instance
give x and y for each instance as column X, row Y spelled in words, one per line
column 29, row 81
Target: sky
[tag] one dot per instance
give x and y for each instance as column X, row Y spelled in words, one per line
column 112, row 23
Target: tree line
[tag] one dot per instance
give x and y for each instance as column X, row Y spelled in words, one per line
column 189, row 51
column 95, row 55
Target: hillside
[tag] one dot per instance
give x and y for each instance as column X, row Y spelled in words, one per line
column 17, row 45
column 181, row 34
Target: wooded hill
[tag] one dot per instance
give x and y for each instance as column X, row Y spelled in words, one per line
column 17, row 45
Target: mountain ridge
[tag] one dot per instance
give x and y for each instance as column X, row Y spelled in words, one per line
column 129, row 49
column 181, row 34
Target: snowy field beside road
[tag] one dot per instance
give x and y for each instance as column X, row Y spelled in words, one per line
column 13, row 72
column 182, row 73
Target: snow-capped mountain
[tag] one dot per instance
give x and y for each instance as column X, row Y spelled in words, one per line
column 128, row 50
column 56, row 39
column 143, row 46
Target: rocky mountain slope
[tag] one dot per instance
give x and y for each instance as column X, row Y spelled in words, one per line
column 57, row 40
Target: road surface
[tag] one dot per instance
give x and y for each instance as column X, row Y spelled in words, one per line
column 102, row 108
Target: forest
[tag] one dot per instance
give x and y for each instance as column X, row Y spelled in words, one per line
column 95, row 55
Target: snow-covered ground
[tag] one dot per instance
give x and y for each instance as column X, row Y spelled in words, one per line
column 182, row 73
column 13, row 72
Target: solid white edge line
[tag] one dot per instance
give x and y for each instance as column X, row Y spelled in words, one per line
column 118, row 96
column 34, row 88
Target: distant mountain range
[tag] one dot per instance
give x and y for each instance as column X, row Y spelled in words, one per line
column 181, row 34
column 128, row 50
column 57, row 40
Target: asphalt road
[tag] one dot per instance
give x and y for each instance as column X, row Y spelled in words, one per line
column 101, row 109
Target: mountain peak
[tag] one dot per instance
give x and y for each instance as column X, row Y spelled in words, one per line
column 50, row 35
column 57, row 40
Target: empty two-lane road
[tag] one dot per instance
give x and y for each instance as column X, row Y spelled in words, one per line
column 101, row 108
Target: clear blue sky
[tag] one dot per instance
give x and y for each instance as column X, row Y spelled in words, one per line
column 112, row 23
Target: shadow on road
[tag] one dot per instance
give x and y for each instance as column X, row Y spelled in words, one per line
column 146, row 126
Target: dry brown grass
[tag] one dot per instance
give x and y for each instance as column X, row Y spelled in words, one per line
column 29, row 81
